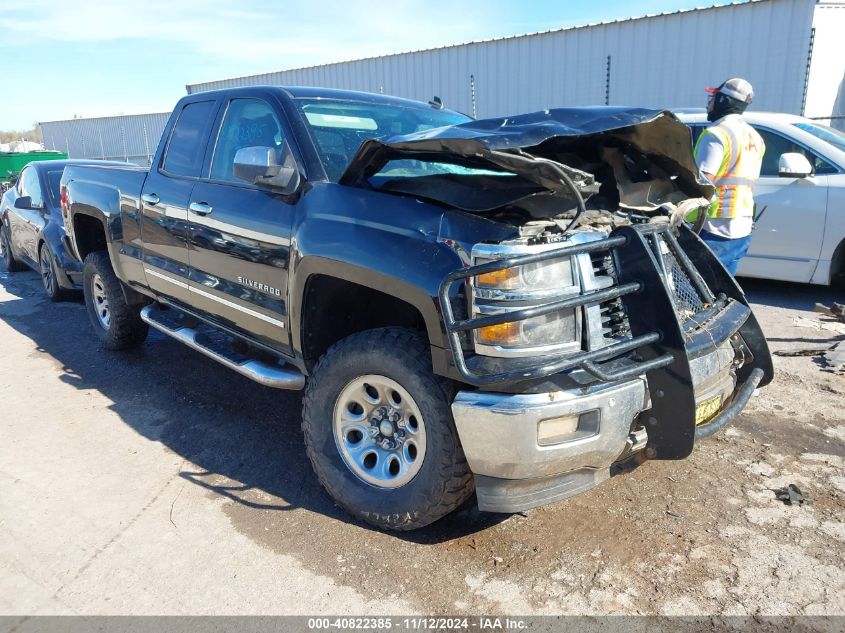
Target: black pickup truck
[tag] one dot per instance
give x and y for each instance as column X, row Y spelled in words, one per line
column 509, row 306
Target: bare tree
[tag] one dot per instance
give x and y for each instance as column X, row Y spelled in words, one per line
column 33, row 134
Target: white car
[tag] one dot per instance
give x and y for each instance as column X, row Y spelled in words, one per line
column 799, row 234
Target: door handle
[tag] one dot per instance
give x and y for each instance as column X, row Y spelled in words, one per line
column 150, row 198
column 200, row 208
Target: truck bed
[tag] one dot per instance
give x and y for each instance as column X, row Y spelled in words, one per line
column 109, row 195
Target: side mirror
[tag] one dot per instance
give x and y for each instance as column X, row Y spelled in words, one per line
column 261, row 166
column 794, row 165
column 24, row 202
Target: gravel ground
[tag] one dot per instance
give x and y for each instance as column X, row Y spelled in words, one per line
column 156, row 482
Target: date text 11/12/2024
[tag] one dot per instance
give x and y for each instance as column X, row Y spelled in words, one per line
column 479, row 623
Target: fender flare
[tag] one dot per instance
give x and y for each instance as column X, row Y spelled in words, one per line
column 419, row 298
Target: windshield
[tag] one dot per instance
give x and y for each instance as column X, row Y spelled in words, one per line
column 825, row 133
column 411, row 168
column 339, row 126
column 54, row 178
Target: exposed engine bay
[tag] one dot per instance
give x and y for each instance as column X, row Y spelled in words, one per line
column 546, row 172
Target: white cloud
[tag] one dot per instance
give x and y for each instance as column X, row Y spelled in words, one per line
column 270, row 35
column 206, row 40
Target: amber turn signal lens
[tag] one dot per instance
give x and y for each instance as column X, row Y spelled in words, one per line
column 556, row 430
column 501, row 334
column 504, row 279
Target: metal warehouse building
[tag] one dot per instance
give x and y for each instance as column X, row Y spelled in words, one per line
column 792, row 51
column 132, row 138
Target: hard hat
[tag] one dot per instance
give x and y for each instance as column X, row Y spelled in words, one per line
column 735, row 88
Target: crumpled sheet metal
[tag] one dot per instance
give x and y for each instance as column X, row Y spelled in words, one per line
column 834, row 355
column 830, row 326
column 525, row 145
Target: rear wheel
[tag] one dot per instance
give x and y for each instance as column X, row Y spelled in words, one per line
column 117, row 324
column 47, row 266
column 12, row 264
column 379, row 431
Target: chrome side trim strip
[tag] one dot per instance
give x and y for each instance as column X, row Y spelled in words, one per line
column 208, row 295
column 235, row 306
column 166, row 278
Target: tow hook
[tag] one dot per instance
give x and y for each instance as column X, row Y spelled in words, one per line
column 637, row 440
column 742, row 354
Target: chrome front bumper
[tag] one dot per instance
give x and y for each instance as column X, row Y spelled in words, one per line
column 515, row 470
column 499, row 432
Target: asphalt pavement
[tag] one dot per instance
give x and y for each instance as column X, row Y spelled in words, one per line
column 158, row 482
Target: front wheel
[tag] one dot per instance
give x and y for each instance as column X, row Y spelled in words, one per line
column 379, row 431
column 117, row 324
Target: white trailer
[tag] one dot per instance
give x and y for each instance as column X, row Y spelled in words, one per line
column 792, row 51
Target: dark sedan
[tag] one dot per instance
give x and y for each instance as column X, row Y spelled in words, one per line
column 32, row 232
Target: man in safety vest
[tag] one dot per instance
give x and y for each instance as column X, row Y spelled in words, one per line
column 729, row 152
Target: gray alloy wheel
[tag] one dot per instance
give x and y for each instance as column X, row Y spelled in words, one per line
column 101, row 301
column 379, row 431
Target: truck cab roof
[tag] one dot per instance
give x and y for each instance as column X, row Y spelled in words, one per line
column 310, row 92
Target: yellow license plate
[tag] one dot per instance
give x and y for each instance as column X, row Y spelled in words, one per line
column 706, row 410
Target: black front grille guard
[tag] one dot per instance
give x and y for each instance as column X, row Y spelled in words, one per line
column 665, row 342
column 588, row 361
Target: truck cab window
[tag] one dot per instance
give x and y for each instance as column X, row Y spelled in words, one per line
column 248, row 123
column 185, row 151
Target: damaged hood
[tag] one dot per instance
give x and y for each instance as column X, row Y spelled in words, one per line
column 637, row 159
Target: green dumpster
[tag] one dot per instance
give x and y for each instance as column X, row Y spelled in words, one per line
column 11, row 163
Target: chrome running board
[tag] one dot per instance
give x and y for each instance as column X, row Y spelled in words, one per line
column 277, row 376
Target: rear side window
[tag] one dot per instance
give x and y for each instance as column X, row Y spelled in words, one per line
column 30, row 186
column 188, row 140
column 54, row 180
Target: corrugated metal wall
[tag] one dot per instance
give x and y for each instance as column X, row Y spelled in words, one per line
column 133, row 138
column 659, row 61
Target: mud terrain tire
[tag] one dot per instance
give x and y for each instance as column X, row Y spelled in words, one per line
column 400, row 357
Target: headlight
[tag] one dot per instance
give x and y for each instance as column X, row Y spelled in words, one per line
column 551, row 329
column 549, row 275
column 521, row 287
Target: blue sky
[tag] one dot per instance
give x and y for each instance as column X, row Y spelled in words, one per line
column 97, row 58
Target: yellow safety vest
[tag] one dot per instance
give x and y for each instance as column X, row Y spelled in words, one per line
column 740, row 168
